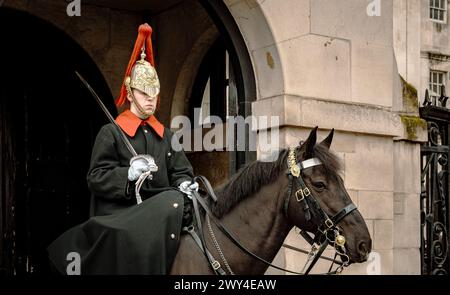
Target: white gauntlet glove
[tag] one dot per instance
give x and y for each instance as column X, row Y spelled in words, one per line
column 187, row 187
column 138, row 167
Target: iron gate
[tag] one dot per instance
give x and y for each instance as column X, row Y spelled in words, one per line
column 434, row 197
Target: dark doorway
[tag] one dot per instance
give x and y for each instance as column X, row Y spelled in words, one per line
column 224, row 86
column 48, row 123
column 241, row 81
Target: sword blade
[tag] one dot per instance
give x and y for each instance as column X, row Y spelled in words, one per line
column 107, row 113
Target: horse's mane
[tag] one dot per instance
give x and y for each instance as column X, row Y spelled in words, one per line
column 253, row 176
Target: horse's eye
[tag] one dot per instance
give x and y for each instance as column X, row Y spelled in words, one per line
column 319, row 185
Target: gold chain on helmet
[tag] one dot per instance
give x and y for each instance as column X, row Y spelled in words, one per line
column 138, row 106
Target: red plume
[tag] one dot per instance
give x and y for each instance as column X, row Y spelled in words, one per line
column 144, row 35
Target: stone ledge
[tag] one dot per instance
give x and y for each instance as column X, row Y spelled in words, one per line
column 308, row 112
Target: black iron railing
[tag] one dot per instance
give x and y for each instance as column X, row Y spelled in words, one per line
column 434, row 197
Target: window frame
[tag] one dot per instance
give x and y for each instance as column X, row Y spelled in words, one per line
column 433, row 8
column 431, row 82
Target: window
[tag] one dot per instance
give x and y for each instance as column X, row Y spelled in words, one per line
column 205, row 109
column 215, row 92
column 437, row 80
column 438, row 10
column 224, row 81
column 212, row 91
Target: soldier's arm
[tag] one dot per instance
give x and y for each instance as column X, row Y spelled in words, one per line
column 106, row 177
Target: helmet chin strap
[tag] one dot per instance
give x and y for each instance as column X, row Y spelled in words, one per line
column 142, row 113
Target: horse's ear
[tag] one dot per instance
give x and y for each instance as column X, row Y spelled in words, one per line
column 327, row 141
column 310, row 142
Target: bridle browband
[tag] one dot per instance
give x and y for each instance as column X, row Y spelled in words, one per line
column 311, row 206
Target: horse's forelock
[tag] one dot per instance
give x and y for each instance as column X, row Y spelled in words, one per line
column 330, row 161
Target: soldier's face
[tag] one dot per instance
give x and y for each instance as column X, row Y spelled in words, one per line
column 147, row 103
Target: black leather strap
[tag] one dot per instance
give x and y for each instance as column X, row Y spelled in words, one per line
column 344, row 212
column 306, row 208
column 199, row 243
column 307, row 237
column 317, row 256
column 289, row 193
column 200, row 230
column 207, row 185
column 232, row 238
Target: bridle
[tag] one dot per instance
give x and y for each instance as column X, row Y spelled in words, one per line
column 327, row 231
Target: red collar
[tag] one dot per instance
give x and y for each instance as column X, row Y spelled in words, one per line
column 129, row 123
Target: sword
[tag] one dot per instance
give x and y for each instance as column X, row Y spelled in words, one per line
column 148, row 158
column 110, row 118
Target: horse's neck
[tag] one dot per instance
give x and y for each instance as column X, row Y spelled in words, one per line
column 259, row 224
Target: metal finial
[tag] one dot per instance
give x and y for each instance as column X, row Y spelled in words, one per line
column 143, row 55
column 443, row 98
column 427, row 100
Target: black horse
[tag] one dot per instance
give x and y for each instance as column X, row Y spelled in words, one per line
column 260, row 205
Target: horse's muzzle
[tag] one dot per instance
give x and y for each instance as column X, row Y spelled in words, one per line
column 364, row 248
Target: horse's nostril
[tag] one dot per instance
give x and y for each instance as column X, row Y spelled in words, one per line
column 362, row 247
column 363, row 250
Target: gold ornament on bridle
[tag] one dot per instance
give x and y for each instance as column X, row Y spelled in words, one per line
column 340, row 240
column 292, row 161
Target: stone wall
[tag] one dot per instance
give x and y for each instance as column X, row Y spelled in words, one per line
column 407, row 41
column 335, row 67
column 406, row 209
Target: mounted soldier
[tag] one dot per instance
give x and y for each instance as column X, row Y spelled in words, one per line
column 139, row 185
column 136, row 179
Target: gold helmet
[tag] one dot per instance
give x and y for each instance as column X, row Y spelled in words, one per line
column 143, row 77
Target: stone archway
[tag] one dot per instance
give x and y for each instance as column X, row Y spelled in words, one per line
column 255, row 28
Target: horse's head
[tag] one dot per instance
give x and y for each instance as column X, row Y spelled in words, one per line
column 319, row 202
